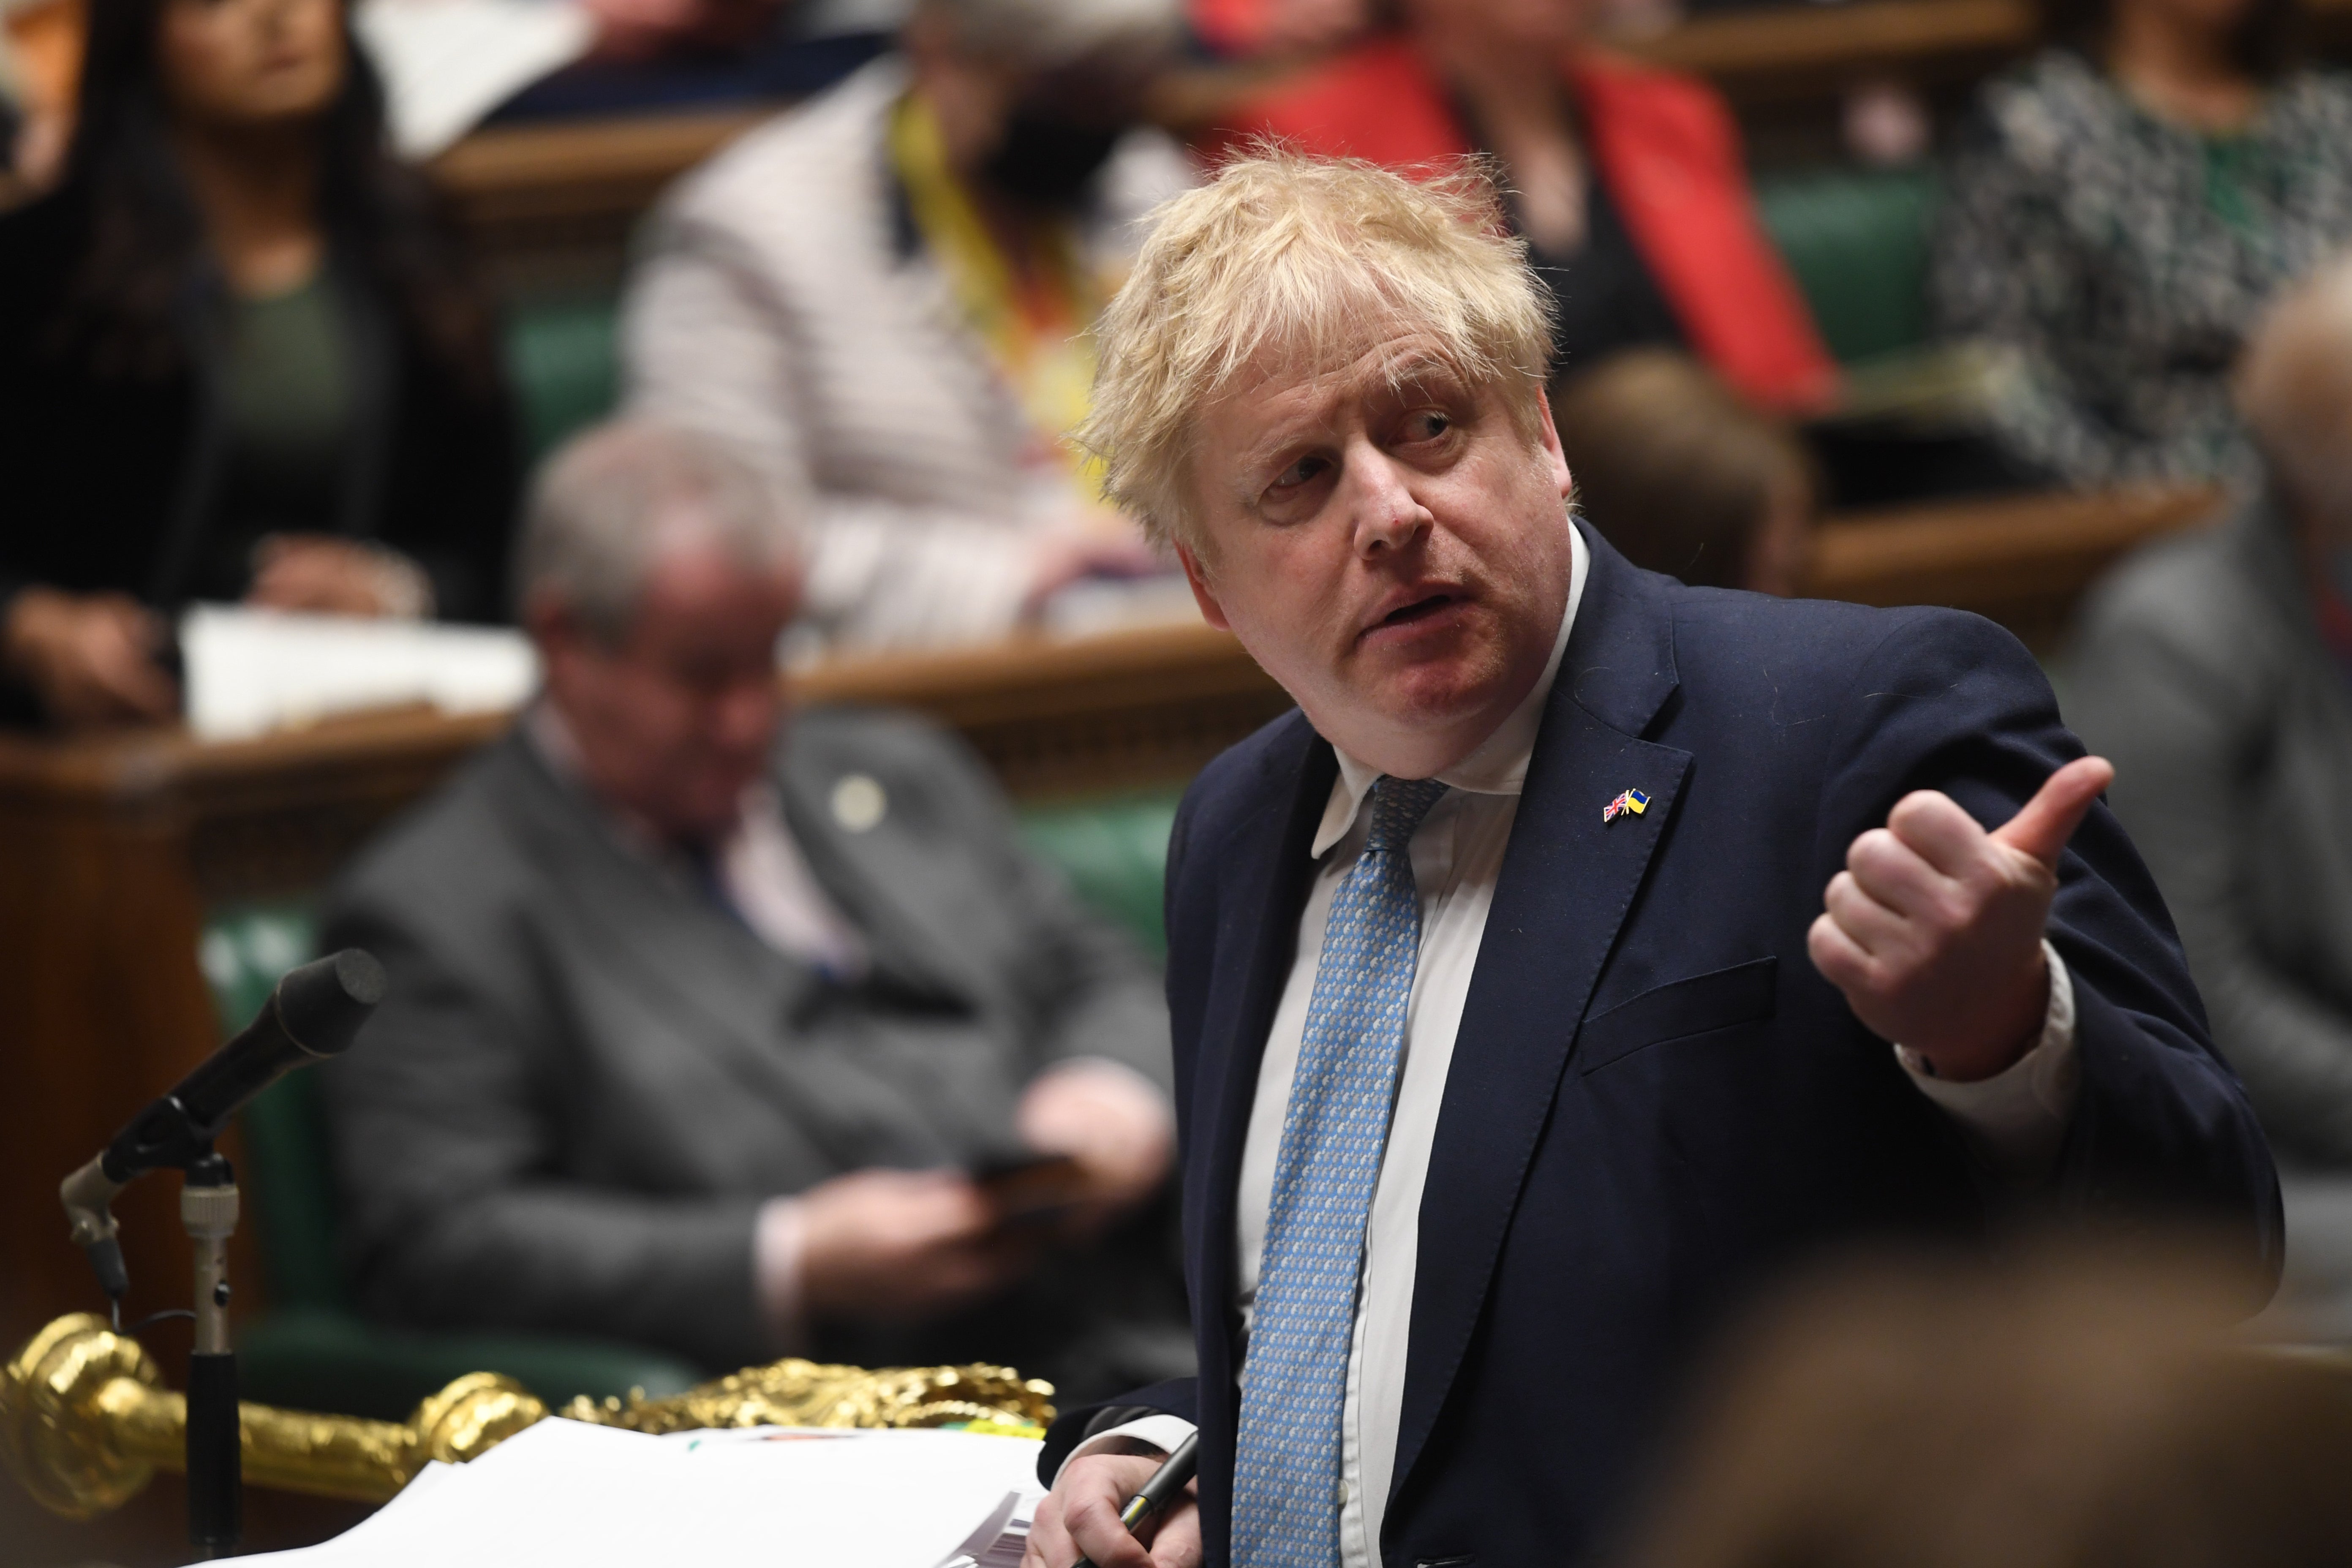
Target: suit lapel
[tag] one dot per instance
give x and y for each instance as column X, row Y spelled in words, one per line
column 888, row 882
column 1567, row 882
column 729, row 992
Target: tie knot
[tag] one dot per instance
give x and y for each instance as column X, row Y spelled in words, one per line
column 1398, row 807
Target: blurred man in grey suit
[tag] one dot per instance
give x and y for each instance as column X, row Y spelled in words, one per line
column 700, row 1020
column 2216, row 670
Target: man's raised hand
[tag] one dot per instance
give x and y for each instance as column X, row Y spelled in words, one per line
column 1934, row 929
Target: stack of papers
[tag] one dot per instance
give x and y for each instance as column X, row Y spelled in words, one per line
column 562, row 1491
column 251, row 671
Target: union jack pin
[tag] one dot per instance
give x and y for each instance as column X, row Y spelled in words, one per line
column 1632, row 801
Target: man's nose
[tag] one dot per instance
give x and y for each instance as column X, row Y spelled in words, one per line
column 1386, row 513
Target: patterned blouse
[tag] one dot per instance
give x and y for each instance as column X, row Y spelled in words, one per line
column 2120, row 260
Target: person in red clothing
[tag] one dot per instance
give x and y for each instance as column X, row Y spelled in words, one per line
column 1626, row 182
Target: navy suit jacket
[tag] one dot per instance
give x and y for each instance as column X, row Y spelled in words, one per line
column 1655, row 1100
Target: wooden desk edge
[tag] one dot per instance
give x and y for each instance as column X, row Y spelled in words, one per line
column 1967, row 552
column 1025, row 676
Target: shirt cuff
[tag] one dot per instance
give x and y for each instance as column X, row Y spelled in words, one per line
column 2015, row 1121
column 778, row 1242
column 1144, row 1434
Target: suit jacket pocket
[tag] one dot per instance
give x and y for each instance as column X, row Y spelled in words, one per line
column 1742, row 994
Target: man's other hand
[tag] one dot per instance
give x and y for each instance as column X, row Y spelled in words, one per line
column 90, row 659
column 902, row 1245
column 1111, row 1121
column 1080, row 1517
column 321, row 575
column 1934, row 929
column 1094, row 548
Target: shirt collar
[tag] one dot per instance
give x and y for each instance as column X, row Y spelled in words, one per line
column 1497, row 764
column 548, row 734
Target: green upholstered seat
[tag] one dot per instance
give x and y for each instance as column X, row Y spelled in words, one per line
column 311, row 1351
column 564, row 363
column 1857, row 241
column 1115, row 853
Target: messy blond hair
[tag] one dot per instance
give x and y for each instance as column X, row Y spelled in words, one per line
column 1295, row 255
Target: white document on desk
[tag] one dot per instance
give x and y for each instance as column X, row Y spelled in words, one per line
column 562, row 1491
column 448, row 63
column 251, row 671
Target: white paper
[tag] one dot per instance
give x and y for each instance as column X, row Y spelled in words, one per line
column 446, row 63
column 563, row 1492
column 1093, row 606
column 251, row 671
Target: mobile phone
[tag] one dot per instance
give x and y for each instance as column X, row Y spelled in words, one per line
column 1029, row 1187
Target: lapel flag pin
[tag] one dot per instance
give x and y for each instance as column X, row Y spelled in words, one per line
column 1631, row 801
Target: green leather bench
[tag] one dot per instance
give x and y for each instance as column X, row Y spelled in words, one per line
column 1857, row 241
column 311, row 1349
column 563, row 359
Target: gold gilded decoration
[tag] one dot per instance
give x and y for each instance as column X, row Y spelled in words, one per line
column 794, row 1393
column 85, row 1420
column 52, row 1437
column 470, row 1418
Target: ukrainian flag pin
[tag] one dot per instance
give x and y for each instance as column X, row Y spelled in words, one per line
column 1632, row 800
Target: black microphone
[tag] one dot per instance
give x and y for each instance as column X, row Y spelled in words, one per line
column 315, row 1012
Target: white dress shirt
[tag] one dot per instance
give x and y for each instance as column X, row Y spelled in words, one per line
column 2014, row 1120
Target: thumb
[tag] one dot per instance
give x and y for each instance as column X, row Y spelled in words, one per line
column 2050, row 818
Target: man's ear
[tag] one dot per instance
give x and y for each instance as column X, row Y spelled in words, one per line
column 547, row 620
column 1557, row 459
column 556, row 633
column 1202, row 595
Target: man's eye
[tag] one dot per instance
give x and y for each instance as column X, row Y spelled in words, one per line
column 1427, row 424
column 1304, row 471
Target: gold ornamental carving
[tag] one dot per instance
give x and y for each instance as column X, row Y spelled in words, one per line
column 86, row 1421
column 794, row 1393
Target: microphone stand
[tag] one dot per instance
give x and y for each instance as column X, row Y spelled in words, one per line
column 314, row 1012
column 208, row 1212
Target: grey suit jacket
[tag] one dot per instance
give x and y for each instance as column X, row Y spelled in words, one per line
column 586, row 1076
column 2201, row 673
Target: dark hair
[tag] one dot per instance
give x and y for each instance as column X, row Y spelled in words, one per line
column 143, row 262
column 2266, row 44
column 1672, row 467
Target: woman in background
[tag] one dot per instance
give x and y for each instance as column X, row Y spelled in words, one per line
column 238, row 359
column 2118, row 214
column 1627, row 182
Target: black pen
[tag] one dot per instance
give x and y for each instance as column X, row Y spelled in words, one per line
column 1166, row 1482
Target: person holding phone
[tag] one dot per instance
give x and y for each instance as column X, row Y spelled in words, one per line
column 735, row 1032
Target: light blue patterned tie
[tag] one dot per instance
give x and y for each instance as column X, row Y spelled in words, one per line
column 1295, row 1379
